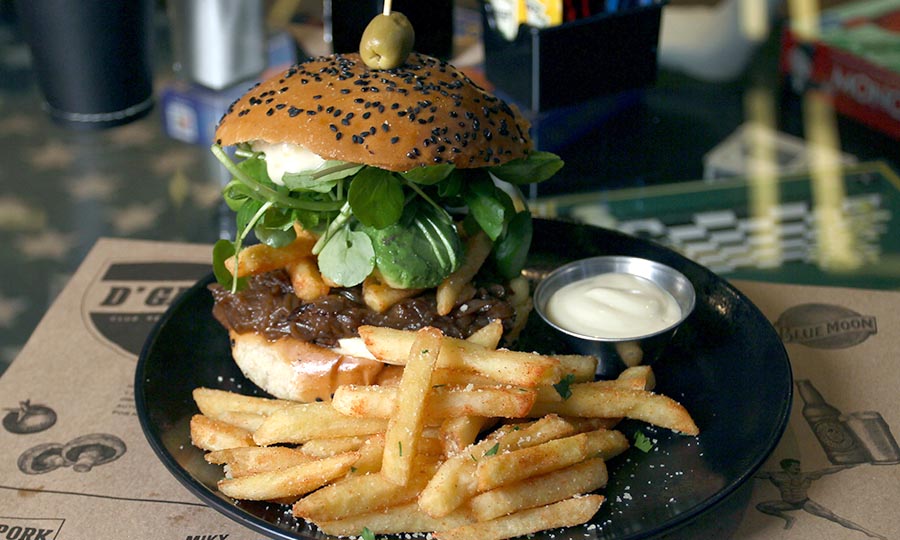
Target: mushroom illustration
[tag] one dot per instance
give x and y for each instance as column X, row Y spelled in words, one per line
column 42, row 458
column 88, row 451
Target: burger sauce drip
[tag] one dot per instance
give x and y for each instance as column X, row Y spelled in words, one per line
column 269, row 307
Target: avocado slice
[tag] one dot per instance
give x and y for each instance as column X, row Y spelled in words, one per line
column 419, row 250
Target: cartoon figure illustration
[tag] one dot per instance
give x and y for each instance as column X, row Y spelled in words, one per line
column 794, row 483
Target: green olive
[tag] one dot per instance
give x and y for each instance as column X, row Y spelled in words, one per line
column 387, row 41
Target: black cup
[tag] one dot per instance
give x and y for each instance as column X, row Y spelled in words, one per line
column 92, row 58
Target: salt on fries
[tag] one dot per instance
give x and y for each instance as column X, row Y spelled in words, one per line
column 464, row 440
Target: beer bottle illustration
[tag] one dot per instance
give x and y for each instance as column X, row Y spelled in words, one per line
column 836, row 439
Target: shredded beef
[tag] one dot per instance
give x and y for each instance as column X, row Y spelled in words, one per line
column 269, row 307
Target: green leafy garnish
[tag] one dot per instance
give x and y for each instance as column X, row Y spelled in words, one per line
column 347, row 258
column 366, row 216
column 537, row 167
column 376, row 198
column 366, row 534
column 511, row 249
column 642, row 442
column 487, row 204
column 221, row 251
column 492, row 450
column 563, row 387
column 428, row 176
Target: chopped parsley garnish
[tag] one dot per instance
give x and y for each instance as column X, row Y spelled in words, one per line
column 642, row 442
column 563, row 387
column 366, row 534
column 492, row 450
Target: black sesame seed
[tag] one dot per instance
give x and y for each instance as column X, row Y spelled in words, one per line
column 270, row 112
column 294, row 111
column 366, row 114
column 338, row 135
column 332, row 127
column 395, row 140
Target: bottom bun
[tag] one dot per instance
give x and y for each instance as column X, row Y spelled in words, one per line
column 298, row 370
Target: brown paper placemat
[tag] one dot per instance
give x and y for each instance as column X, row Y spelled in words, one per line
column 77, row 373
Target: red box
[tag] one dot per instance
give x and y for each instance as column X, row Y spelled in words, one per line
column 861, row 86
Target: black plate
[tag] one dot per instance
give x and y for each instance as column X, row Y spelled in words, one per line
column 726, row 365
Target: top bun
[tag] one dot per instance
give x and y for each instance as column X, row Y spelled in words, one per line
column 425, row 112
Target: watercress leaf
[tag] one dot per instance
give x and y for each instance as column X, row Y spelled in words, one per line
column 376, row 197
column 428, row 176
column 536, row 167
column 451, row 186
column 275, row 228
column 245, row 215
column 511, row 249
column 487, row 204
column 347, row 258
column 222, row 250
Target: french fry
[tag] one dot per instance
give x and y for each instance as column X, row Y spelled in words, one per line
column 478, row 247
column 379, row 296
column 507, row 467
column 455, row 482
column 489, row 335
column 582, row 367
column 333, row 445
column 404, row 518
column 306, row 279
column 318, row 420
column 357, row 494
column 602, row 399
column 567, row 513
column 504, row 366
column 638, row 377
column 445, row 402
column 256, row 459
column 459, row 432
column 288, row 482
column 412, row 396
column 370, row 454
column 210, row 434
column 213, row 403
column 245, row 420
column 583, row 477
column 260, row 258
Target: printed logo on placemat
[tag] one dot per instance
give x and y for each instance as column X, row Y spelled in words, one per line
column 121, row 306
column 825, row 326
column 31, row 528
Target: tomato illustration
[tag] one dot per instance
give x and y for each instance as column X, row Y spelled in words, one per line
column 29, row 418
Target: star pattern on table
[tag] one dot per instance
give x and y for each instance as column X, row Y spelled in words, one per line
column 134, row 134
column 47, row 245
column 206, row 195
column 18, row 124
column 52, row 155
column 136, row 217
column 10, row 309
column 92, row 186
column 17, row 215
column 170, row 162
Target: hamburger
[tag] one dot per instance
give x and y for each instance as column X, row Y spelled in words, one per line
column 394, row 186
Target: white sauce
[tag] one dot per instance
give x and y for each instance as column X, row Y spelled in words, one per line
column 284, row 158
column 613, row 305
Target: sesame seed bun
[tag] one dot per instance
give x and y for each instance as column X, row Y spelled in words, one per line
column 425, row 112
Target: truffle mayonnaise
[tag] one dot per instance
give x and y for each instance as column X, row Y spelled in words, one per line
column 613, row 305
column 284, row 158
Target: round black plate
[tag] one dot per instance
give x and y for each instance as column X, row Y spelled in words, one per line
column 726, row 365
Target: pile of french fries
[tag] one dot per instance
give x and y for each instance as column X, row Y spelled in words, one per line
column 466, row 440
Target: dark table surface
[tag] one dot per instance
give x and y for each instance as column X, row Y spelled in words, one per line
column 61, row 189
